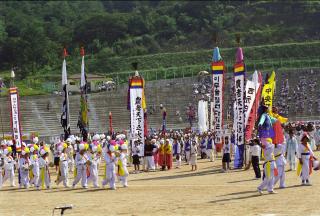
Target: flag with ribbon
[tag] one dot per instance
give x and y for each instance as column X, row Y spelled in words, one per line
column 83, row 122
column 218, row 69
column 65, row 116
column 239, row 121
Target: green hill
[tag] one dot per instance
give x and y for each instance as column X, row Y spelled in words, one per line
column 167, row 37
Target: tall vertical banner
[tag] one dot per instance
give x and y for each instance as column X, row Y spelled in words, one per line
column 218, row 69
column 252, row 103
column 137, row 106
column 239, row 120
column 65, row 116
column 83, row 122
column 15, row 117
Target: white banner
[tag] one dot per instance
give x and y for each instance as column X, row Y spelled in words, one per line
column 137, row 117
column 203, row 116
column 251, row 90
column 15, row 117
column 239, row 120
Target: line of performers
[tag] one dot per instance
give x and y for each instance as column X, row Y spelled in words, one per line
column 274, row 148
column 80, row 158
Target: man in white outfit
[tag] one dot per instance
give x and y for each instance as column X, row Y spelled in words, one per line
column 268, row 166
column 291, row 150
column 111, row 161
column 8, row 167
column 81, row 166
column 279, row 151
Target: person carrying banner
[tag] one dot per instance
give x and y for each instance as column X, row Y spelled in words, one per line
column 266, row 133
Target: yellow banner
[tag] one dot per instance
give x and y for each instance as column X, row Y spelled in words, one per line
column 268, row 90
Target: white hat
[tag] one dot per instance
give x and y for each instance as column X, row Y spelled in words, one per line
column 23, row 144
column 81, row 147
column 108, row 138
column 96, row 137
column 3, row 142
column 111, row 148
column 43, row 152
column 124, row 147
column 102, row 136
column 153, row 141
column 31, row 149
column 69, row 140
column 162, row 141
column 35, row 140
column 9, row 143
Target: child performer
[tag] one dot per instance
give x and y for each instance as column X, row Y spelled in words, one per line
column 193, row 156
column 122, row 166
column 226, row 155
column 34, row 165
column 94, row 163
column 63, row 165
column 110, row 173
column 8, row 167
column 81, row 167
column 44, row 168
column 24, row 163
column 305, row 156
column 279, row 152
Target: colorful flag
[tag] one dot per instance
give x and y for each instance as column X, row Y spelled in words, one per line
column 269, row 89
column 83, row 122
column 239, row 120
column 65, row 116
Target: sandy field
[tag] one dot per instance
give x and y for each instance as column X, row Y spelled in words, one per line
column 207, row 191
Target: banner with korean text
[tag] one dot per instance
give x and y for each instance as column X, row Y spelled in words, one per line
column 15, row 117
column 137, row 111
column 218, row 69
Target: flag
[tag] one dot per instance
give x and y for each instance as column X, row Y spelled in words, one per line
column 252, row 115
column 218, row 70
column 269, row 89
column 239, row 120
column 15, row 117
column 65, row 116
column 83, row 122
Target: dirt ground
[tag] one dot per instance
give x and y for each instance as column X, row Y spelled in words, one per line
column 175, row 192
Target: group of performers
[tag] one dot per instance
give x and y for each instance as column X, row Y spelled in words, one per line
column 275, row 145
column 74, row 156
column 115, row 153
